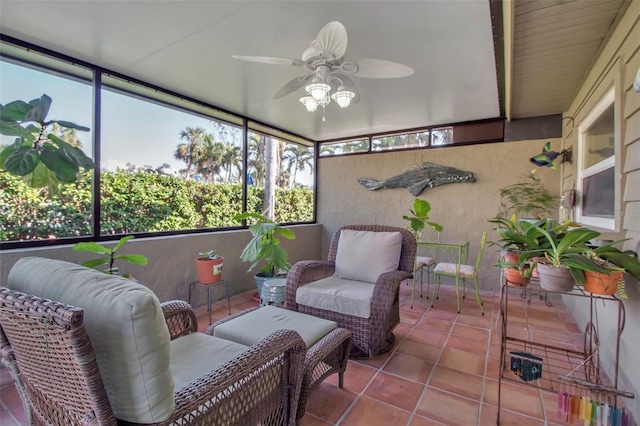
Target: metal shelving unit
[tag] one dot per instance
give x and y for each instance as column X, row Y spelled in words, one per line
column 562, row 365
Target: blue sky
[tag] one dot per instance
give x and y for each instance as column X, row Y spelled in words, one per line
column 133, row 131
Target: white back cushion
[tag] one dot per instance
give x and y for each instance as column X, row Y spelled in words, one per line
column 364, row 255
column 126, row 327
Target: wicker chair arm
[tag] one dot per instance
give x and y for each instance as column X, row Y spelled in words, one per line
column 304, row 272
column 237, row 373
column 385, row 293
column 180, row 318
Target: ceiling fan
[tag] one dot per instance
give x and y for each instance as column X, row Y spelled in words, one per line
column 328, row 76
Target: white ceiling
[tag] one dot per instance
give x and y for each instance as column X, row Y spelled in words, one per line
column 186, row 47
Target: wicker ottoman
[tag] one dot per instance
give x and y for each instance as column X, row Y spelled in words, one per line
column 327, row 345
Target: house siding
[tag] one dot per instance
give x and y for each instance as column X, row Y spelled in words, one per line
column 617, row 65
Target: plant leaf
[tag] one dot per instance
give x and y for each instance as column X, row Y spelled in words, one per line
column 39, row 109
column 137, row 259
column 122, row 241
column 11, row 128
column 92, row 263
column 57, row 162
column 625, row 261
column 287, row 233
column 15, row 111
column 22, row 161
column 70, row 125
column 92, row 247
column 73, row 154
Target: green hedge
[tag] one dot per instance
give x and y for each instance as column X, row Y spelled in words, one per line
column 135, row 202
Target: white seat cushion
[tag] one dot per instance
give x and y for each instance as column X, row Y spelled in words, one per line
column 422, row 261
column 254, row 326
column 338, row 295
column 194, row 355
column 126, row 326
column 450, row 269
column 365, row 255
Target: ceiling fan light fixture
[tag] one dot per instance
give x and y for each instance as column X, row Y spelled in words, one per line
column 318, row 89
column 343, row 97
column 309, row 103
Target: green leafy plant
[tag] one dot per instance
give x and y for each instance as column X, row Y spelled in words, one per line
column 419, row 218
column 265, row 244
column 526, row 199
column 566, row 250
column 41, row 157
column 209, row 254
column 110, row 257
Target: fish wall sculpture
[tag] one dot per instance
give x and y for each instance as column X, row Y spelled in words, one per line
column 419, row 178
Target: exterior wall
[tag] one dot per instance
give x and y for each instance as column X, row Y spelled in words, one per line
column 617, row 65
column 171, row 264
column 461, row 208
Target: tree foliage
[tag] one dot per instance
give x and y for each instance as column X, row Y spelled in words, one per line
column 138, row 201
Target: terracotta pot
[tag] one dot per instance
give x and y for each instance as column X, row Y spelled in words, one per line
column 209, row 270
column 511, row 256
column 514, row 278
column 599, row 283
column 554, row 278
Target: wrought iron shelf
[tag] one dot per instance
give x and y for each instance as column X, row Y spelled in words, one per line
column 561, row 364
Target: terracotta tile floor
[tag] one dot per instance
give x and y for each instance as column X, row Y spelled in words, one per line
column 442, row 369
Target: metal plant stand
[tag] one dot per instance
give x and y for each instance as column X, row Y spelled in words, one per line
column 560, row 366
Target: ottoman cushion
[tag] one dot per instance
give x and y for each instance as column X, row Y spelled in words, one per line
column 252, row 327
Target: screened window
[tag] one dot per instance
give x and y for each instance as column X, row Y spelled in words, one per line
column 407, row 140
column 280, row 178
column 28, row 213
column 596, row 184
column 164, row 163
column 344, row 147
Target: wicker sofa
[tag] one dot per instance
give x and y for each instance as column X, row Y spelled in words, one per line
column 106, row 352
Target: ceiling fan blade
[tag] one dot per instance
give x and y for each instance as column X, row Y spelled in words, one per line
column 332, row 38
column 292, row 85
column 349, row 84
column 376, row 68
column 269, row 60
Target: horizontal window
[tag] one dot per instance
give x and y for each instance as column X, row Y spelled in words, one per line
column 165, row 164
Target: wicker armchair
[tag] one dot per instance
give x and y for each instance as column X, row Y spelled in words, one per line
column 55, row 357
column 371, row 332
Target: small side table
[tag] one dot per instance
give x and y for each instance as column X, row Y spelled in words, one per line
column 208, row 286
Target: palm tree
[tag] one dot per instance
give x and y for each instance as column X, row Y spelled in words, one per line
column 232, row 157
column 210, row 160
column 255, row 161
column 192, row 149
column 299, row 157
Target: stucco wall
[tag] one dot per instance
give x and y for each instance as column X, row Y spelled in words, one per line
column 616, row 66
column 171, row 264
column 461, row 208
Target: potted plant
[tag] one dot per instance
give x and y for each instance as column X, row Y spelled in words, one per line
column 562, row 257
column 418, row 219
column 110, row 257
column 209, row 266
column 265, row 247
column 512, row 241
column 616, row 263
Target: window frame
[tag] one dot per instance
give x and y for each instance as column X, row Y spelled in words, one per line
column 611, row 222
column 28, row 55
